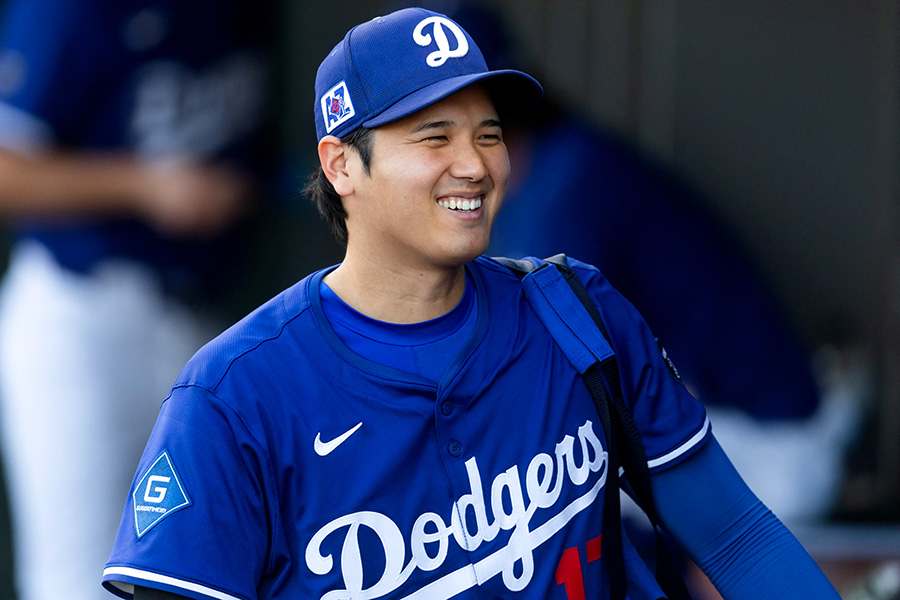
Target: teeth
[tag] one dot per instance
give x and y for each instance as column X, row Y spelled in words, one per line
column 463, row 205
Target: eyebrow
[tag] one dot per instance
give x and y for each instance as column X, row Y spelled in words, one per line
column 429, row 125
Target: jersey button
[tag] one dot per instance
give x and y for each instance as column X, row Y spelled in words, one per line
column 455, row 448
column 447, row 408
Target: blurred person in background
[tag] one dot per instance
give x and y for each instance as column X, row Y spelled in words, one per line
column 784, row 427
column 132, row 154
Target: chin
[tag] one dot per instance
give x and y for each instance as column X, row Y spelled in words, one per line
column 464, row 249
column 462, row 257
column 476, row 250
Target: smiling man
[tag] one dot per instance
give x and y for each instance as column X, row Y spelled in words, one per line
column 422, row 209
column 402, row 425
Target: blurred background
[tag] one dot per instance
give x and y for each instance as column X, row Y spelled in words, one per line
column 783, row 117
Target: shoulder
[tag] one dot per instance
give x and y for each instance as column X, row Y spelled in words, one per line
column 500, row 277
column 276, row 327
column 263, row 370
column 504, row 268
column 505, row 275
column 496, row 267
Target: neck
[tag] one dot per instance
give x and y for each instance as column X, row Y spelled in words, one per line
column 397, row 295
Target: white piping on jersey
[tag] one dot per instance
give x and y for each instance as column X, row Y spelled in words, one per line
column 680, row 450
column 149, row 576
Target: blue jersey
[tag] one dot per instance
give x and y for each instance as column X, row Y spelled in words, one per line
column 284, row 465
column 151, row 78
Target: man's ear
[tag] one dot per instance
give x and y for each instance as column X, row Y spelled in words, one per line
column 334, row 156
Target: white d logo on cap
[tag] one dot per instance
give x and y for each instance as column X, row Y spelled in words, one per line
column 440, row 56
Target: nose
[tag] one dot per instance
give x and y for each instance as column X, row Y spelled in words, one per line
column 469, row 162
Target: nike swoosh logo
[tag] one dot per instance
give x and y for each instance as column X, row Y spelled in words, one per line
column 326, row 448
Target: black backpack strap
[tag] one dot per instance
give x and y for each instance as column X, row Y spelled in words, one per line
column 631, row 450
column 624, row 444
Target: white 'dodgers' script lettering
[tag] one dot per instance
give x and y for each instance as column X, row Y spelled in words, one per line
column 469, row 526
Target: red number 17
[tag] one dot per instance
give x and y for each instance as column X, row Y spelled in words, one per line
column 568, row 573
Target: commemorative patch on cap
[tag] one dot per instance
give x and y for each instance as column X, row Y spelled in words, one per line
column 337, row 107
column 158, row 494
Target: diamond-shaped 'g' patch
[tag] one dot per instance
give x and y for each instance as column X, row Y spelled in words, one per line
column 158, row 494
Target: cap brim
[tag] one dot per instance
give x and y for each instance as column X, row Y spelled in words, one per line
column 513, row 93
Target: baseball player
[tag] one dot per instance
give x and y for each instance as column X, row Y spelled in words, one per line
column 128, row 150
column 403, row 425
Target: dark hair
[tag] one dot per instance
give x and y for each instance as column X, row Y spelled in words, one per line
column 322, row 193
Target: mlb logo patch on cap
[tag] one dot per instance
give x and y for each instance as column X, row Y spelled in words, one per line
column 337, row 107
column 158, row 494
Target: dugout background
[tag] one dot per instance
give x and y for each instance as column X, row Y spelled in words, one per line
column 785, row 114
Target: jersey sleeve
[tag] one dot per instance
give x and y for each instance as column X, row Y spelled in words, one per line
column 673, row 424
column 196, row 522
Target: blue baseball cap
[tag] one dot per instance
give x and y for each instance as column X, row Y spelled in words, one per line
column 393, row 66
